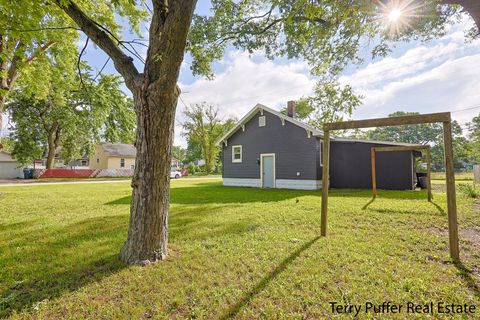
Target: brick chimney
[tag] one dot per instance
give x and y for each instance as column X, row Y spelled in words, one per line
column 291, row 109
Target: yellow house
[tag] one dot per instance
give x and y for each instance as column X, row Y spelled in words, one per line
column 113, row 156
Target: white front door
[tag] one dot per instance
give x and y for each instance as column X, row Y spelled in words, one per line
column 268, row 170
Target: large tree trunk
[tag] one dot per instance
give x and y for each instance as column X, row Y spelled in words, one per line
column 148, row 230
column 470, row 6
column 53, row 140
column 155, row 94
column 50, row 152
column 155, row 105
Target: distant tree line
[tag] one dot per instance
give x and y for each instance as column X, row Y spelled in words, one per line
column 202, row 128
column 466, row 143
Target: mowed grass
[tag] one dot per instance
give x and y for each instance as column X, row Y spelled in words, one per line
column 459, row 176
column 235, row 253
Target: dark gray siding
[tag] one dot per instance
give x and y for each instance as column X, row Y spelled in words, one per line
column 294, row 151
column 350, row 167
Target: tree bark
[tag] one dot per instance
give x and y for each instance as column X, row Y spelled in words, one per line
column 155, row 94
column 470, row 6
column 155, row 105
column 53, row 140
column 50, row 152
column 148, row 230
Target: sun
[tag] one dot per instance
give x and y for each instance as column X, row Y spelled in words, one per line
column 398, row 15
column 394, row 15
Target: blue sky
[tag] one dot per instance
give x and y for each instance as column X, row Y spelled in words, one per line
column 441, row 75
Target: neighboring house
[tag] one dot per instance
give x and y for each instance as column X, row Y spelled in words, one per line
column 118, row 156
column 9, row 167
column 113, row 156
column 269, row 149
column 80, row 163
column 199, row 162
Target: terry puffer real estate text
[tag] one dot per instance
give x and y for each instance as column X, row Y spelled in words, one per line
column 408, row 307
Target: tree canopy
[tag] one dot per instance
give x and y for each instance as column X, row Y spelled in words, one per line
column 33, row 34
column 99, row 111
column 204, row 127
column 329, row 103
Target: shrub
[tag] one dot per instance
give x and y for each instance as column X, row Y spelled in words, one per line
column 192, row 168
column 469, row 190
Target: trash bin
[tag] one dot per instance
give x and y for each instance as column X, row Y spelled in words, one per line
column 422, row 182
column 28, row 173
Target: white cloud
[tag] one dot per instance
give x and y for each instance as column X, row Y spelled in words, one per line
column 441, row 76
column 247, row 80
column 451, row 86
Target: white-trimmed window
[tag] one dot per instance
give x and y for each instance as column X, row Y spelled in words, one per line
column 261, row 121
column 236, row 153
column 122, row 163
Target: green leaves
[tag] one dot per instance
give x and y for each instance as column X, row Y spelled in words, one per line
column 85, row 115
column 330, row 103
column 327, row 34
column 203, row 127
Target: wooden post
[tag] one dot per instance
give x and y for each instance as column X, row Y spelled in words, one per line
column 374, row 177
column 476, row 173
column 451, row 197
column 429, row 169
column 325, row 181
column 444, row 117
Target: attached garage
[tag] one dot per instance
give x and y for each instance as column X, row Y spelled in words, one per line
column 9, row 167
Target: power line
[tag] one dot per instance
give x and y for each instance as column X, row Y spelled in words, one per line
column 466, row 109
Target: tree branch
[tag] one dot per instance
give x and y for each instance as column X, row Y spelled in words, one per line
column 123, row 63
column 42, row 49
column 471, row 6
column 80, row 60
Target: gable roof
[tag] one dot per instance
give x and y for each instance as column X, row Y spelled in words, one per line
column 315, row 132
column 259, row 107
column 118, row 149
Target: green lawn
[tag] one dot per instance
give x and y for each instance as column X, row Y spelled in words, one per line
column 235, row 252
column 459, row 176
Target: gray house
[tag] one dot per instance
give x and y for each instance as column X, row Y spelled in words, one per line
column 269, row 149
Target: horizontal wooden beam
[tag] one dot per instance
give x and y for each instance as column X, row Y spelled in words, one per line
column 401, row 148
column 392, row 121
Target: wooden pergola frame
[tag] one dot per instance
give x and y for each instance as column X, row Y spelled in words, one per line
column 397, row 149
column 445, row 118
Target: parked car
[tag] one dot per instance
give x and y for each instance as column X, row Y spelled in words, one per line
column 174, row 173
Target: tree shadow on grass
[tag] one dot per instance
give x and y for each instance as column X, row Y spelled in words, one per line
column 368, row 203
column 218, row 194
column 249, row 296
column 209, row 193
column 385, row 194
column 466, row 274
column 61, row 261
column 440, row 209
column 404, row 211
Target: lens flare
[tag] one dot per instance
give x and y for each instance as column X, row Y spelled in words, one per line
column 398, row 15
column 394, row 15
